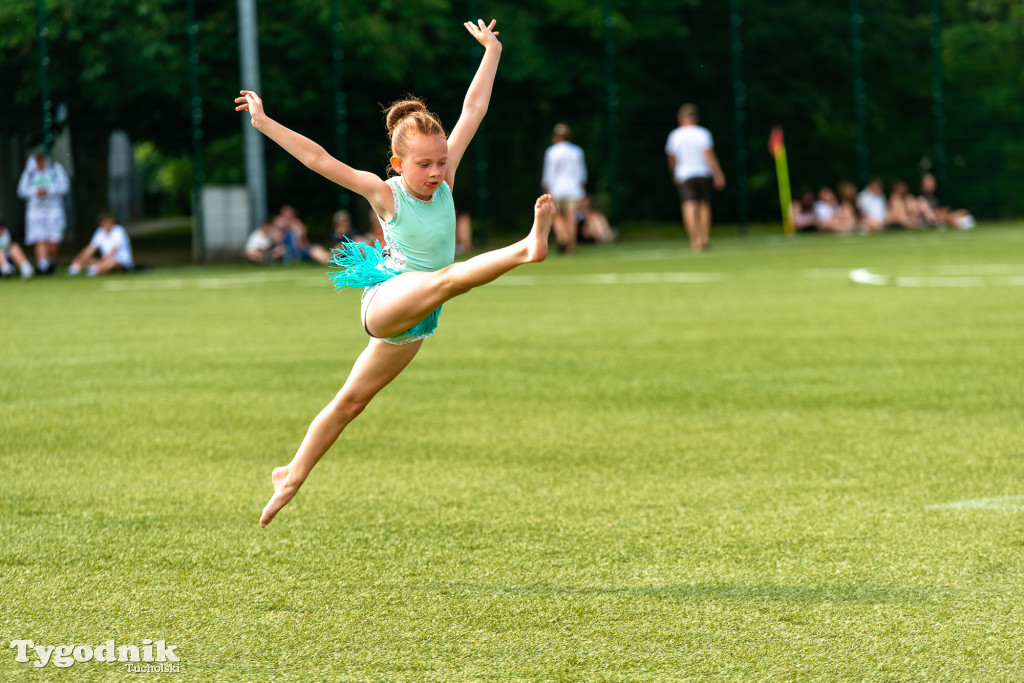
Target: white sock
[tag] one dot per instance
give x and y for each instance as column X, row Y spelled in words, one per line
column 91, row 270
column 26, row 269
column 74, row 269
column 44, row 263
column 7, row 268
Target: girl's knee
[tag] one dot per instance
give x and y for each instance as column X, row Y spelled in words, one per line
column 449, row 284
column 346, row 408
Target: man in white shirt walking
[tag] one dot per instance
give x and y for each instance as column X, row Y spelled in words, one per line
column 565, row 179
column 694, row 165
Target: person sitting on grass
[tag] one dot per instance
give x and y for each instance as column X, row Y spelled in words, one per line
column 805, row 218
column 904, row 209
column 109, row 251
column 296, row 238
column 343, row 231
column 265, row 245
column 831, row 217
column 592, row 225
column 849, row 212
column 954, row 218
column 12, row 258
column 872, row 206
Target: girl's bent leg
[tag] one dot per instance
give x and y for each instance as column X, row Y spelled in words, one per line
column 405, row 300
column 376, row 366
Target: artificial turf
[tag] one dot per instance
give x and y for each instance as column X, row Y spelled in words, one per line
column 598, row 470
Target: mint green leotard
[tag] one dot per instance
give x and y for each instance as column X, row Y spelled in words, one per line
column 420, row 236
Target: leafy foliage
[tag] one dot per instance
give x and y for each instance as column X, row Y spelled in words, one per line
column 124, row 64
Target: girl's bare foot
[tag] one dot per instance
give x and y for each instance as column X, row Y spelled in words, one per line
column 284, row 491
column 543, row 217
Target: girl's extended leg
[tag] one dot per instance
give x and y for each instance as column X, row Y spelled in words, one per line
column 405, row 300
column 376, row 366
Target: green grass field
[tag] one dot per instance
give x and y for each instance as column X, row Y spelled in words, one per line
column 632, row 465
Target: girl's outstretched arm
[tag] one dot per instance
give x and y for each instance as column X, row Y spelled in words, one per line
column 316, row 157
column 479, row 94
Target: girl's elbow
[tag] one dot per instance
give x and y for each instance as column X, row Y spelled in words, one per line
column 318, row 162
column 477, row 111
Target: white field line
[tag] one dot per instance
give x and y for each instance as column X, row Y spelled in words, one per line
column 863, row 276
column 982, row 269
column 827, row 273
column 228, row 282
column 1000, row 503
column 653, row 254
column 241, row 281
column 609, row 279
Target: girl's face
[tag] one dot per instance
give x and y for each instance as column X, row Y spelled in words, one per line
column 424, row 167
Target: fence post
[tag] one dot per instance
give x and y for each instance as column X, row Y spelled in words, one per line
column 340, row 111
column 480, row 150
column 44, row 76
column 198, row 167
column 938, row 103
column 859, row 95
column 612, row 87
column 739, row 101
column 255, row 164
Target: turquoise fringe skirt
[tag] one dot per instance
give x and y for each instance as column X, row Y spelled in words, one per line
column 360, row 265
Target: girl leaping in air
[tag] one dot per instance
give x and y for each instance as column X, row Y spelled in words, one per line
column 405, row 283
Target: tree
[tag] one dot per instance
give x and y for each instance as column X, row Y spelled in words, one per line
column 108, row 72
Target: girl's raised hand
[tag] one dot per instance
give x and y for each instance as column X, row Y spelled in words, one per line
column 250, row 102
column 485, row 34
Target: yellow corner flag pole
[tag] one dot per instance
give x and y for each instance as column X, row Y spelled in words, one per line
column 777, row 147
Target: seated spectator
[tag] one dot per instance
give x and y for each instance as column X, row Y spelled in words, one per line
column 463, row 233
column 872, row 205
column 296, row 238
column 592, row 226
column 265, row 244
column 805, row 218
column 830, row 213
column 376, row 229
column 954, row 218
column 12, row 256
column 109, row 251
column 343, row 231
column 904, row 210
column 849, row 211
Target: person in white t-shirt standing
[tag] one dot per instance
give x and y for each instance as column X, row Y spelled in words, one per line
column 109, row 250
column 565, row 179
column 694, row 165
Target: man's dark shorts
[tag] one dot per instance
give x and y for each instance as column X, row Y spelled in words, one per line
column 695, row 189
